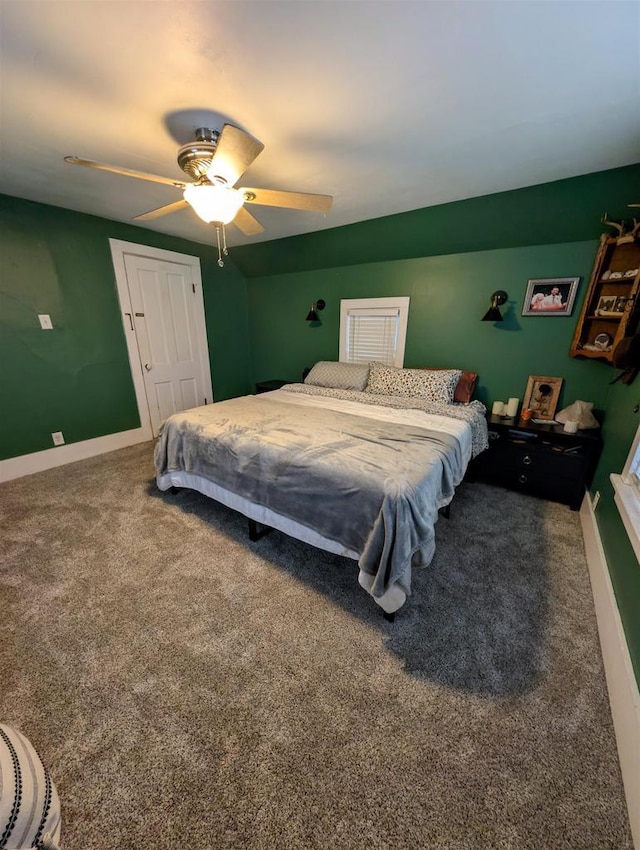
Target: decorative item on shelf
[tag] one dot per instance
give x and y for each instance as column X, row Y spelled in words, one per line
column 498, row 408
column 606, row 275
column 552, row 296
column 602, row 341
column 571, row 426
column 622, row 238
column 542, row 396
column 512, row 407
column 493, row 314
column 610, row 306
column 312, row 315
column 526, row 414
column 630, row 273
column 580, row 413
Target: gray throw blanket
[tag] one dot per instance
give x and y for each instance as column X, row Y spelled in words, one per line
column 373, row 486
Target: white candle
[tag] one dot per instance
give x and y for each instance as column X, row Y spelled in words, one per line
column 498, row 408
column 571, row 427
column 512, row 407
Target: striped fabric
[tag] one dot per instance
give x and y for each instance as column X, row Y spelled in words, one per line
column 29, row 804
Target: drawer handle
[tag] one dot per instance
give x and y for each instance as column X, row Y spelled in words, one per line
column 522, row 479
column 526, row 460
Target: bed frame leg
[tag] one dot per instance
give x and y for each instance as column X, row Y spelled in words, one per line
column 254, row 533
column 389, row 616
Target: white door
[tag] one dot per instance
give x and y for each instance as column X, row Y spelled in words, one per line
column 163, row 310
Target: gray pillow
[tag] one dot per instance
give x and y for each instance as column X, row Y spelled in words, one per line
column 338, row 375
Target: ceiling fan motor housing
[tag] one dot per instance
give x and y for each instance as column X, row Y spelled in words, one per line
column 195, row 157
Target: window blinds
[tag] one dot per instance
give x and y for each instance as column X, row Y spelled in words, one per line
column 372, row 334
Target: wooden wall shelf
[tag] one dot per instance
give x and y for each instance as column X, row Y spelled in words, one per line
column 611, row 295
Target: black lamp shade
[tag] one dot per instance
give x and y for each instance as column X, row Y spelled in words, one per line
column 493, row 314
column 312, row 315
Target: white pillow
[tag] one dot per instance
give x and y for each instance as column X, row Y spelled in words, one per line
column 29, row 804
column 437, row 385
column 338, row 375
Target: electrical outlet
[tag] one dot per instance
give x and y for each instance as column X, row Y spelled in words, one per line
column 58, row 438
column 45, row 322
column 595, row 500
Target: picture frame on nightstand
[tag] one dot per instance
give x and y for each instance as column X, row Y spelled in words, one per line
column 541, row 396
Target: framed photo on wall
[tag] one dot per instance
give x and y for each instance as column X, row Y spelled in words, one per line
column 551, row 296
column 542, row 396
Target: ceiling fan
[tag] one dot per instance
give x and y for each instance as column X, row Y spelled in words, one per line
column 215, row 160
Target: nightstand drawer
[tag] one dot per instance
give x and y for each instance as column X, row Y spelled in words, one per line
column 537, row 483
column 540, row 459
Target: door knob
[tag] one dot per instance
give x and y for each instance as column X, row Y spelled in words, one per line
column 147, row 366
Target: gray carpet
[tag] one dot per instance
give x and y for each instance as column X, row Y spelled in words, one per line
column 190, row 689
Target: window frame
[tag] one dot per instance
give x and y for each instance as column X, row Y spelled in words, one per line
column 395, row 304
column 626, row 488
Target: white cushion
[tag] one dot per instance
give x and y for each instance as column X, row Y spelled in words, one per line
column 29, row 804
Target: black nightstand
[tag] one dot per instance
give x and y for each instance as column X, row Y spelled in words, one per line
column 542, row 460
column 267, row 386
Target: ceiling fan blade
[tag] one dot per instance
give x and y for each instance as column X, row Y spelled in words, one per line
column 141, row 175
column 245, row 222
column 235, row 151
column 290, row 200
column 165, row 210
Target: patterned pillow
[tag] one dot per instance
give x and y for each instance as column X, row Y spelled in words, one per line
column 29, row 804
column 434, row 385
column 340, row 376
column 465, row 388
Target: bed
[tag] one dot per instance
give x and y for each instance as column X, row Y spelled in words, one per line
column 357, row 460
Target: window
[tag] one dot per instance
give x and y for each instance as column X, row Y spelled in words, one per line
column 373, row 329
column 627, row 494
column 631, row 471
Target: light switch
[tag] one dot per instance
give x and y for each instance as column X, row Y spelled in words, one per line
column 45, row 322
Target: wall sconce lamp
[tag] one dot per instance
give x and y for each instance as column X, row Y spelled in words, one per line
column 312, row 315
column 493, row 314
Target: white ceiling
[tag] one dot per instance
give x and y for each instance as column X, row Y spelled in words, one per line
column 388, row 105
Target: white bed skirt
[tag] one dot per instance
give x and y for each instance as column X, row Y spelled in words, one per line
column 393, row 599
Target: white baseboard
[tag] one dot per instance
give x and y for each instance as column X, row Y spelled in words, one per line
column 624, row 697
column 17, row 467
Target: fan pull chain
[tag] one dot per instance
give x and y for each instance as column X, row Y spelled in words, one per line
column 222, row 248
column 220, row 260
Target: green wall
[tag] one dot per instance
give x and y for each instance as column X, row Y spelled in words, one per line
column 551, row 213
column 76, row 378
column 449, row 295
column 618, row 431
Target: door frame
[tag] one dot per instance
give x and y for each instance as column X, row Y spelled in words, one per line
column 120, row 248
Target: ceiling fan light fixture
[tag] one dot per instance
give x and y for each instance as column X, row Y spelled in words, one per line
column 218, row 204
